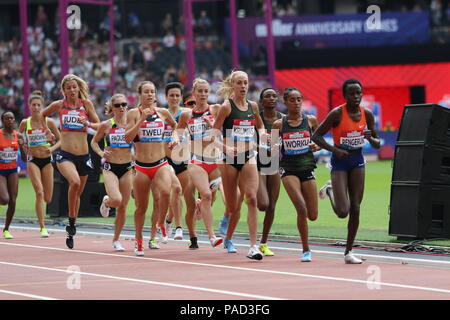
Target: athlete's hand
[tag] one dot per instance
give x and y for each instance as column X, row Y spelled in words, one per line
column 173, row 144
column 50, row 136
column 20, row 139
column 367, row 134
column 145, row 113
column 107, row 155
column 340, row 153
column 265, row 140
column 209, row 121
column 230, row 151
column 314, row 147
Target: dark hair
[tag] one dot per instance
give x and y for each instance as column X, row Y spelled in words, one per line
column 289, row 90
column 349, row 82
column 261, row 95
column 36, row 94
column 187, row 95
column 173, row 85
column 5, row 112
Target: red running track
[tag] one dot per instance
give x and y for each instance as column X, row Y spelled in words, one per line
column 35, row 268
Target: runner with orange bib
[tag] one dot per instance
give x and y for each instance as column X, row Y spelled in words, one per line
column 10, row 142
column 348, row 123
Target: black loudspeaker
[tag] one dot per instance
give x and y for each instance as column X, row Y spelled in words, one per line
column 90, row 200
column 420, row 190
column 419, row 211
column 425, row 123
column 421, row 163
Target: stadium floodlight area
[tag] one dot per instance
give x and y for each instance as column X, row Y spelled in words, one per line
column 189, row 34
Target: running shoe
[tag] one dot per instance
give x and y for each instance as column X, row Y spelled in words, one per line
column 193, row 245
column 198, row 212
column 229, row 246
column 254, row 253
column 164, row 237
column 104, row 209
column 69, row 241
column 323, row 191
column 178, row 234
column 7, row 234
column 153, row 244
column 351, row 259
column 71, row 230
column 265, row 250
column 138, row 249
column 118, row 247
column 215, row 241
column 306, row 257
column 224, row 225
column 169, row 228
column 44, row 233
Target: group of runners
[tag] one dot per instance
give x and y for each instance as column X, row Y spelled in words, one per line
column 190, row 150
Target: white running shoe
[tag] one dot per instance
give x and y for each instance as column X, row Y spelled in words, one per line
column 138, row 249
column 323, row 191
column 254, row 253
column 117, row 246
column 215, row 241
column 351, row 259
column 104, row 209
column 178, row 234
column 164, row 237
column 169, row 229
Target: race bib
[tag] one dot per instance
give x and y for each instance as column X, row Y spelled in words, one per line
column 296, row 142
column 8, row 155
column 151, row 131
column 167, row 134
column 352, row 140
column 117, row 138
column 36, row 137
column 72, row 120
column 199, row 129
column 243, row 130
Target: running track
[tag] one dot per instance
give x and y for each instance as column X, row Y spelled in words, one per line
column 32, row 268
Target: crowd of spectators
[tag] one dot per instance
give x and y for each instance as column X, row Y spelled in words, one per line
column 141, row 57
column 136, row 59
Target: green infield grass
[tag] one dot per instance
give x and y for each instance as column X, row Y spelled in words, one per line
column 374, row 220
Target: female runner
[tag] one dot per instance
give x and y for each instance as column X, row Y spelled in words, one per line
column 10, row 143
column 236, row 121
column 269, row 179
column 145, row 126
column 73, row 161
column 348, row 123
column 39, row 156
column 297, row 162
column 116, row 163
column 203, row 170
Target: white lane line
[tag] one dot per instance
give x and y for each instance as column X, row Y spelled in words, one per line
column 333, row 253
column 167, row 284
column 365, row 282
column 27, row 295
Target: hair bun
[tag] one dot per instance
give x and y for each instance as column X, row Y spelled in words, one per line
column 37, row 93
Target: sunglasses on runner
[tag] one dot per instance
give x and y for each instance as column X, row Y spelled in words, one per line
column 118, row 105
column 190, row 103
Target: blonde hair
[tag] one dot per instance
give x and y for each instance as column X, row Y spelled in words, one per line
column 197, row 82
column 226, row 87
column 82, row 85
column 141, row 84
column 109, row 103
column 36, row 94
